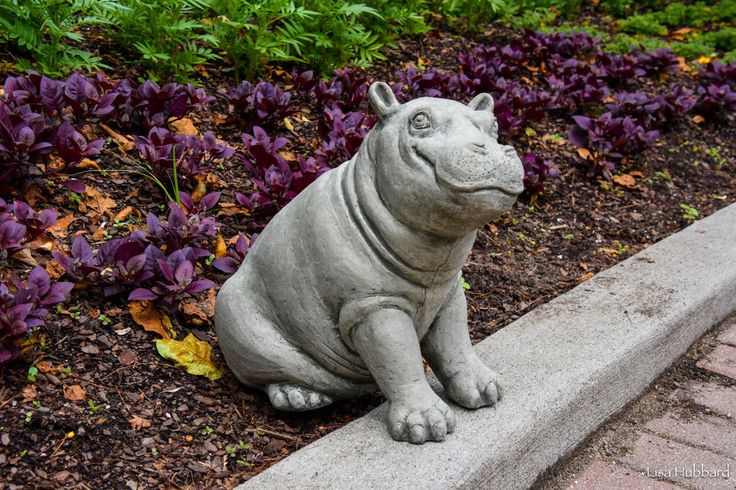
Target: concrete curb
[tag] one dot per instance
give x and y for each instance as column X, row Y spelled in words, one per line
column 567, row 366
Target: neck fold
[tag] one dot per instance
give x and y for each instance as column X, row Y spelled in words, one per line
column 421, row 258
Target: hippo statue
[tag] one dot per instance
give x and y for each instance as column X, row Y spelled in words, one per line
column 358, row 278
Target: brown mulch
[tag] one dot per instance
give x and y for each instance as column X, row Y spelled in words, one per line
column 142, row 423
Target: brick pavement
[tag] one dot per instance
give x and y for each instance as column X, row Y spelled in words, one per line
column 681, row 434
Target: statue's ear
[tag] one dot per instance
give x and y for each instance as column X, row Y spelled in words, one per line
column 481, row 102
column 382, row 99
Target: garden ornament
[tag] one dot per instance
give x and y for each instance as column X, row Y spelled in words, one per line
column 356, row 279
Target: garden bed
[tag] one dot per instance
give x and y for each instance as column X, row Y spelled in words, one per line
column 105, row 409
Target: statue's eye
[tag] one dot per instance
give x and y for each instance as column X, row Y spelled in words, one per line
column 494, row 128
column 421, row 120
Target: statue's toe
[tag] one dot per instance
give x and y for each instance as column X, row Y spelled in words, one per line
column 295, row 398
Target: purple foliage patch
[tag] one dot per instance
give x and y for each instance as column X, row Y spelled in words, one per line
column 24, row 306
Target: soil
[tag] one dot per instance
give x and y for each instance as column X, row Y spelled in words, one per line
column 143, row 423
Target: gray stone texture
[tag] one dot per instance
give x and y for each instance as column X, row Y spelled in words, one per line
column 567, row 366
column 358, row 277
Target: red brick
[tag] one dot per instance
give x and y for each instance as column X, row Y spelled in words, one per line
column 715, row 433
column 728, row 336
column 658, row 457
column 721, row 360
column 604, row 476
column 720, row 399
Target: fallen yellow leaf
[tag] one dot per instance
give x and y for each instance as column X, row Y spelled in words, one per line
column 87, row 163
column 192, row 354
column 698, row 119
column 220, row 247
column 146, row 315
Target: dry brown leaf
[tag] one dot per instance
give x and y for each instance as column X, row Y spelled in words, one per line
column 33, row 194
column 24, row 257
column 220, row 246
column 61, row 228
column 95, row 204
column 146, row 315
column 610, row 251
column 289, row 156
column 74, row 392
column 54, row 270
column 585, row 153
column 87, row 163
column 123, row 214
column 200, row 189
column 137, row 423
column 44, row 366
column 134, row 193
column 99, row 233
column 123, row 142
column 29, row 393
column 185, row 126
column 44, row 242
column 193, row 313
column 637, row 173
column 89, row 132
column 585, row 277
column 625, row 180
column 219, row 119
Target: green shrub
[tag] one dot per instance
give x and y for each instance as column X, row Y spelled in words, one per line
column 43, row 29
column 722, row 39
column 568, row 27
column 533, row 19
column 254, row 33
column 623, row 43
column 692, row 49
column 643, row 24
column 471, row 13
column 166, row 35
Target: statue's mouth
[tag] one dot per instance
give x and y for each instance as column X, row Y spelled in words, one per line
column 468, row 188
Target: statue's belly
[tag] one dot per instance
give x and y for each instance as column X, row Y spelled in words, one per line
column 311, row 262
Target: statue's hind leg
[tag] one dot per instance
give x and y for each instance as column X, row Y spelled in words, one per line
column 260, row 356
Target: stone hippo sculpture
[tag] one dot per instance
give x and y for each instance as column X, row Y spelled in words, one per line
column 357, row 278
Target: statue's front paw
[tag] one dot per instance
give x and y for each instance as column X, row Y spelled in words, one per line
column 474, row 387
column 421, row 419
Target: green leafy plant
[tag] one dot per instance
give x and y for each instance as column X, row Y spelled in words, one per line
column 690, row 213
column 167, row 35
column 471, row 13
column 93, row 407
column 43, row 30
column 643, row 24
column 253, row 33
